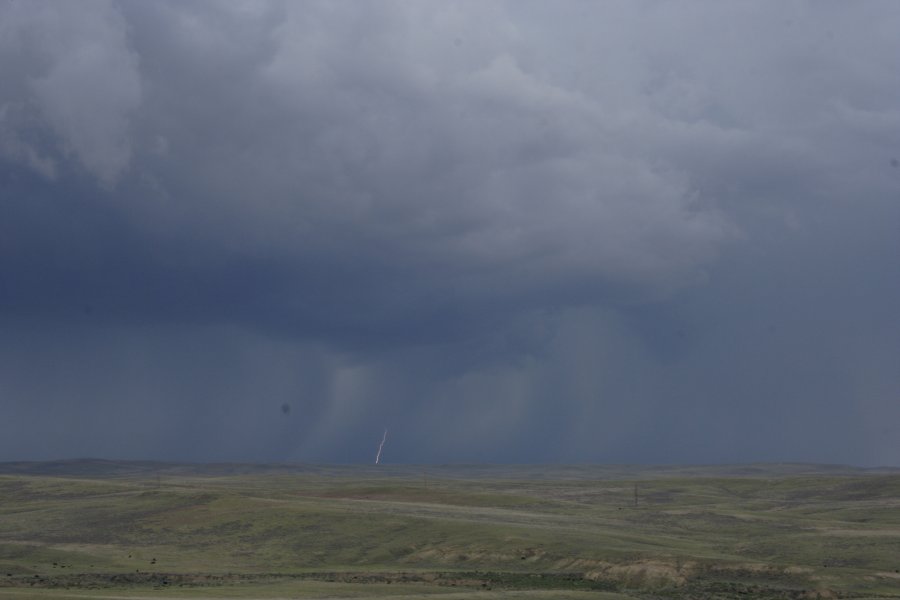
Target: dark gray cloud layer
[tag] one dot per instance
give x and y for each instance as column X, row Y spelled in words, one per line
column 615, row 232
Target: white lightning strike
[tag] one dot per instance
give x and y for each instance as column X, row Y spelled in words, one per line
column 380, row 446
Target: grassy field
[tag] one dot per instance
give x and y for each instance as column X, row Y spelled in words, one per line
column 95, row 529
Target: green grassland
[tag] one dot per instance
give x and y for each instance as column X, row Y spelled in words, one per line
column 95, row 529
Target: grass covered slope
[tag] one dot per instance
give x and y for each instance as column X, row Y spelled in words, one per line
column 105, row 529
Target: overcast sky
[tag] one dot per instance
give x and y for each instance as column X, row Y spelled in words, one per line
column 643, row 232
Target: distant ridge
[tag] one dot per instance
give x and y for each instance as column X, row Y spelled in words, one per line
column 95, row 467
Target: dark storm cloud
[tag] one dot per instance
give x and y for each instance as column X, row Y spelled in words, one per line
column 481, row 224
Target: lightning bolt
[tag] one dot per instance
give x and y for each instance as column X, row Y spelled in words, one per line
column 380, row 447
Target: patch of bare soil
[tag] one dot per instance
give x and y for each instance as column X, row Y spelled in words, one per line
column 888, row 574
column 643, row 574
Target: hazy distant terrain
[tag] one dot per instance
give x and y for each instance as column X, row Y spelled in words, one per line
column 97, row 529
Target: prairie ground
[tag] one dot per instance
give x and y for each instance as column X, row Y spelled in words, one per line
column 95, row 529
